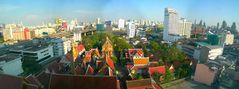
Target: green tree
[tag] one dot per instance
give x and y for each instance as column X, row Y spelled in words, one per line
column 30, row 66
column 139, row 76
column 175, row 54
column 169, row 54
column 154, row 46
column 114, row 58
column 184, row 70
column 156, row 76
column 142, row 45
column 1, row 40
column 168, row 76
column 120, row 44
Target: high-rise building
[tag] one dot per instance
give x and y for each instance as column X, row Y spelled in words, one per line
column 131, row 29
column 121, row 23
column 100, row 28
column 98, row 21
column 77, row 33
column 175, row 27
column 7, row 32
column 227, row 38
column 72, row 25
column 17, row 32
column 184, row 28
column 2, row 26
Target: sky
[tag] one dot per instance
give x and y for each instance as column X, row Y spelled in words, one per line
column 35, row 12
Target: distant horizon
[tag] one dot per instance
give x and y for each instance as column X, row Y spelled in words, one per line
column 34, row 12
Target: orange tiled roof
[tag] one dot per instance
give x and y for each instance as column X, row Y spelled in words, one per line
column 58, row 81
column 160, row 69
column 87, row 56
column 141, row 61
column 110, row 63
column 136, row 52
column 80, row 47
column 141, row 84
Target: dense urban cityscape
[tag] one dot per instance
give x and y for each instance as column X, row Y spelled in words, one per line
column 124, row 53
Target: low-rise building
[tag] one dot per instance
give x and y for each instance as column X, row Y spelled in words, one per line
column 210, row 52
column 40, row 53
column 11, row 64
column 230, row 78
column 141, row 61
column 67, row 45
column 206, row 73
column 41, row 31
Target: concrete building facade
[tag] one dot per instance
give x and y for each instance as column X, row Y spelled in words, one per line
column 175, row 27
column 121, row 24
column 227, row 38
column 11, row 64
column 77, row 33
column 210, row 53
column 131, row 29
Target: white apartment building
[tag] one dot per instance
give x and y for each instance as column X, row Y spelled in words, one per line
column 72, row 25
column 77, row 33
column 11, row 64
column 175, row 27
column 121, row 24
column 98, row 21
column 66, row 45
column 131, row 29
column 185, row 28
column 40, row 30
column 227, row 38
column 40, row 53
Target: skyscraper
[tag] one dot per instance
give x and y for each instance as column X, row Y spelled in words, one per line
column 185, row 28
column 170, row 24
column 98, row 21
column 175, row 27
column 121, row 23
column 77, row 33
column 131, row 29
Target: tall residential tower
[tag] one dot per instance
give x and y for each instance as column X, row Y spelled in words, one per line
column 174, row 26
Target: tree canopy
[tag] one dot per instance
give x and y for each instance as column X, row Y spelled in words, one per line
column 97, row 40
column 30, row 66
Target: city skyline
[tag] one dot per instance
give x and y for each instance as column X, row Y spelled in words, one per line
column 37, row 12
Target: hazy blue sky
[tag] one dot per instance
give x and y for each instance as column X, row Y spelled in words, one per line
column 32, row 12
